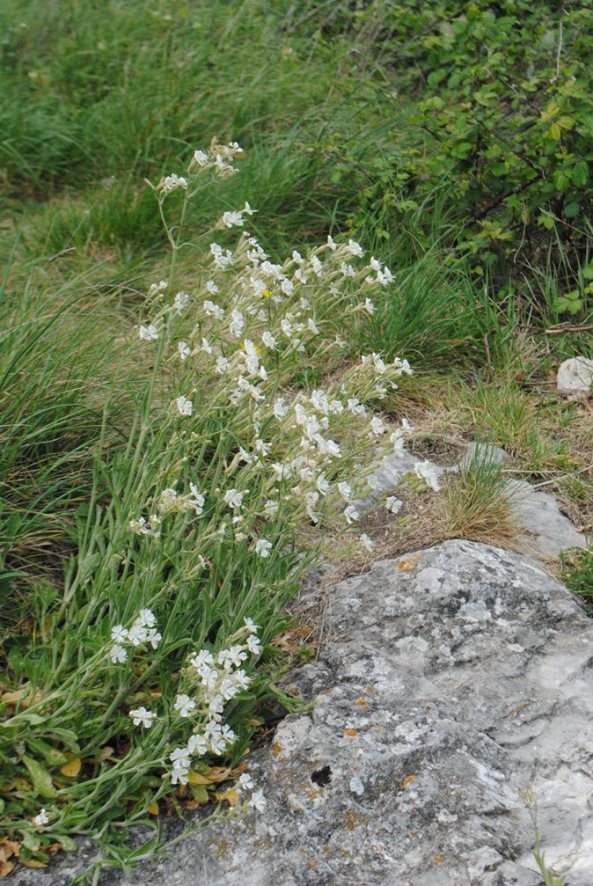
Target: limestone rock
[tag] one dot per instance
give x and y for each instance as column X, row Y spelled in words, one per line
column 575, row 376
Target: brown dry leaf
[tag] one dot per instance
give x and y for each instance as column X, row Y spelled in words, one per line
column 362, row 702
column 71, row 768
column 153, row 809
column 24, row 694
column 276, row 749
column 7, row 849
column 33, row 863
column 438, row 859
column 214, row 775
column 6, row 867
column 292, row 639
column 408, row 780
column 231, row 797
column 105, row 754
column 350, row 731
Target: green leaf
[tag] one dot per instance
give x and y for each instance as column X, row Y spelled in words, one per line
column 67, row 843
column 41, row 778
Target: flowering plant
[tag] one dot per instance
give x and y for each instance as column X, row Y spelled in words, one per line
column 202, row 524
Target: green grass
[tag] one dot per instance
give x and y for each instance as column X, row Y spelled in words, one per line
column 577, row 573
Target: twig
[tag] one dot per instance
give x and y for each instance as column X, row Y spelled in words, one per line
column 60, row 254
column 568, row 327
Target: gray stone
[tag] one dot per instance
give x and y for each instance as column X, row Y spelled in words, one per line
column 455, row 679
column 550, row 531
column 483, row 452
column 575, row 376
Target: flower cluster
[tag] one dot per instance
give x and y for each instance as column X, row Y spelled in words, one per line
column 142, row 633
column 218, row 158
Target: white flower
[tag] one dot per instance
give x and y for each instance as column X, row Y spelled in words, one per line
column 137, row 634
column 206, row 346
column 232, row 219
column 345, row 490
column 245, row 783
column 148, row 333
column 258, row 801
column 201, row 660
column 233, row 498
column 237, row 323
column 271, row 507
column 146, row 618
column 154, row 638
column 297, row 257
column 366, row 542
column 251, row 626
column 263, row 547
column 234, row 656
column 118, row 654
column 184, row 705
column 316, row 265
column 181, row 301
column 253, row 644
column 212, row 288
column 180, row 757
column 172, row 183
column 180, row 775
column 201, row 158
column 397, row 441
column 425, row 471
column 268, row 339
column 41, row 819
column 331, row 243
column 157, row 288
column 311, row 499
column 355, row 248
column 280, row 408
column 183, row 349
column 369, row 307
column 142, row 717
column 184, row 406
column 222, row 364
column 356, row 407
column 385, row 276
column 351, row 514
column 197, row 502
column 377, row 427
column 213, row 310
column 312, row 326
column 393, row 504
column 407, row 427
column 119, row 634
column 347, row 269
column 197, row 744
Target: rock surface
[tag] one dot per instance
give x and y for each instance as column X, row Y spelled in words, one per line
column 575, row 376
column 453, row 680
